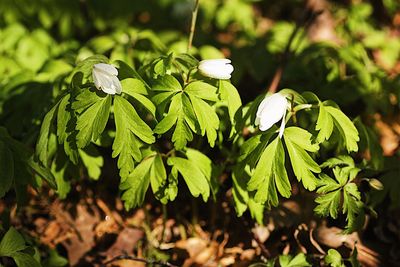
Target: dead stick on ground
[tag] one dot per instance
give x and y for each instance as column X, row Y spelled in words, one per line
column 131, row 258
column 307, row 19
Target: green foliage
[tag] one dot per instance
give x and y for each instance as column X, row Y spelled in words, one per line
column 189, row 110
column 136, row 184
column 130, row 131
column 270, row 175
column 92, row 111
column 341, row 192
column 13, row 245
column 334, row 259
column 298, row 261
column 298, row 141
column 18, row 166
column 330, row 118
column 195, row 176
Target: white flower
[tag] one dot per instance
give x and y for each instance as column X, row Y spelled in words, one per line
column 216, row 68
column 105, row 78
column 270, row 111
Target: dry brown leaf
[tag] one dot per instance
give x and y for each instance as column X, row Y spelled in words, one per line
column 82, row 240
column 125, row 243
column 389, row 131
column 333, row 237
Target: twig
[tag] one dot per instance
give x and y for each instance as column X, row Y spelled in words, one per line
column 193, row 25
column 132, row 258
column 307, row 19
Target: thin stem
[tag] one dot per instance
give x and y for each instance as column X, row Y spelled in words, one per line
column 293, row 111
column 171, row 152
column 193, row 25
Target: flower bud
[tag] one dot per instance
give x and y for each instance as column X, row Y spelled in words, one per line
column 216, row 68
column 105, row 78
column 271, row 110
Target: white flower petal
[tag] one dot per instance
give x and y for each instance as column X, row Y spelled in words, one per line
column 96, row 79
column 271, row 110
column 216, row 68
column 105, row 78
column 116, row 85
column 106, row 68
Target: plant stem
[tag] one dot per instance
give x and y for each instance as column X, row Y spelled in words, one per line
column 193, row 25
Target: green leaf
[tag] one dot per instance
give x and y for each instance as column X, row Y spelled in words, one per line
column 230, row 95
column 136, row 184
column 297, row 142
column 256, row 210
column 269, row 174
column 207, row 119
column 93, row 118
column 167, row 83
column 11, row 242
column 55, row 260
column 136, row 89
column 352, row 205
column 328, row 204
column 202, row 90
column 172, row 190
column 25, row 260
column 7, row 169
column 165, row 87
column 132, row 86
column 177, row 115
column 302, row 138
column 206, row 166
column 125, row 71
column 346, row 128
column 174, row 111
column 158, row 179
column 239, row 190
column 324, row 124
column 252, row 149
column 330, row 201
column 334, row 259
column 190, row 116
column 186, row 60
column 182, row 133
column 353, row 258
column 86, row 65
column 93, row 161
column 347, row 171
column 193, row 176
column 166, row 123
column 42, row 172
column 326, row 184
column 63, row 186
column 63, row 117
column 64, row 133
column 129, row 129
column 42, row 144
column 291, row 94
column 299, row 260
